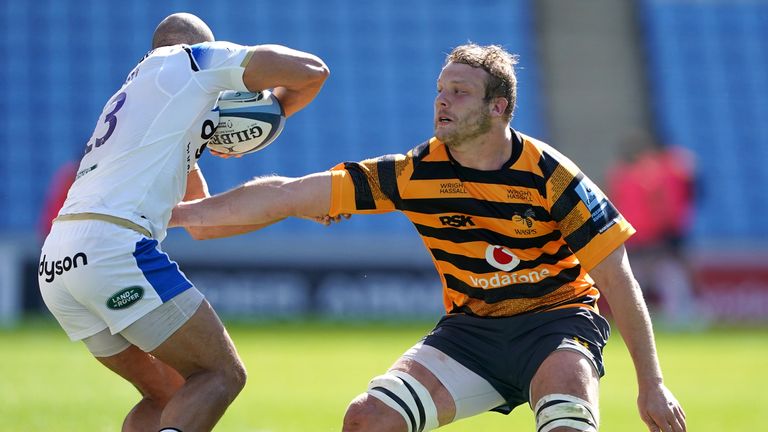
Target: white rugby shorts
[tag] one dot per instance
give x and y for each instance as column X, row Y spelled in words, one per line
column 95, row 275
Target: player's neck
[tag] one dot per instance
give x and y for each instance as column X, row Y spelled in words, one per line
column 488, row 152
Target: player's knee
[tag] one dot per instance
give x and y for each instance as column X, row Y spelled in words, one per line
column 358, row 415
column 235, row 378
column 560, row 412
column 367, row 414
column 400, row 400
column 240, row 376
column 226, row 382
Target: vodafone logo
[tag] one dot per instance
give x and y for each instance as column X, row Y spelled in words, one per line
column 501, row 258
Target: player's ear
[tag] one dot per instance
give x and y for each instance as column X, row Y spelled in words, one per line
column 498, row 106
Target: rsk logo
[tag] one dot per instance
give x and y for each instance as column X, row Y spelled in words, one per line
column 501, row 258
column 457, row 221
column 52, row 268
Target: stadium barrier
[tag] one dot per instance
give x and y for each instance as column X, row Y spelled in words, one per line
column 10, row 283
column 283, row 278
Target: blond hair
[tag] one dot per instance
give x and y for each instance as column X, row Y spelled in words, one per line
column 499, row 64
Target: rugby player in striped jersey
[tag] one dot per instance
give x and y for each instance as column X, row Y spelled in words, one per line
column 524, row 243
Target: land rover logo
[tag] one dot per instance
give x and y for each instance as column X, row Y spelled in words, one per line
column 125, row 297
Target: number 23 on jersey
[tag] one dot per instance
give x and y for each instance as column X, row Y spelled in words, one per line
column 110, row 119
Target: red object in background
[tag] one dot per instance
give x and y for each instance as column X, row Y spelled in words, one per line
column 655, row 193
column 676, row 170
column 733, row 288
column 57, row 194
column 633, row 188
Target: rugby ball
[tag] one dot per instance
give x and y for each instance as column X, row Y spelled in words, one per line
column 248, row 122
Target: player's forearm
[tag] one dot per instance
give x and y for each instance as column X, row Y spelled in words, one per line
column 615, row 280
column 296, row 76
column 214, row 232
column 197, row 187
column 632, row 319
column 260, row 201
column 294, row 100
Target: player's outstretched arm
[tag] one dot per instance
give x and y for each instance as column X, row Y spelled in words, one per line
column 295, row 76
column 197, row 188
column 263, row 200
column 658, row 407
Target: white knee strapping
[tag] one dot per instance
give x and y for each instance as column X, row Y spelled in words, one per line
column 406, row 395
column 557, row 410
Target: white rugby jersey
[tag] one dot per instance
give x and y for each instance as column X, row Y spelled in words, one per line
column 152, row 131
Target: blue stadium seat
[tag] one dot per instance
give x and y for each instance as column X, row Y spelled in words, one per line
column 708, row 66
column 62, row 63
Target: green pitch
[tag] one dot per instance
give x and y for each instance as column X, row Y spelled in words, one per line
column 302, row 375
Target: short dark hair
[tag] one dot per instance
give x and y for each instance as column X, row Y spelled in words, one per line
column 499, row 64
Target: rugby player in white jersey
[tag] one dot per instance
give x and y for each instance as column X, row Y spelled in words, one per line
column 102, row 273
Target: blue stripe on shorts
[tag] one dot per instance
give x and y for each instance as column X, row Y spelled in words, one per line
column 162, row 273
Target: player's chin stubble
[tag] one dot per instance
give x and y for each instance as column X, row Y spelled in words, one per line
column 465, row 130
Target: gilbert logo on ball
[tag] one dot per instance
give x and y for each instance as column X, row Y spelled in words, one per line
column 248, row 122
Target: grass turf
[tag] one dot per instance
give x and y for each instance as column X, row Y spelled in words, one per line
column 303, row 374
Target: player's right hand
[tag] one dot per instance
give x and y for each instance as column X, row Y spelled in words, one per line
column 327, row 219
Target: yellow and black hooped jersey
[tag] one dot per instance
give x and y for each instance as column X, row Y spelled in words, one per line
column 505, row 242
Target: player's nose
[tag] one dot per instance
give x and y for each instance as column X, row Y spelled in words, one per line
column 440, row 100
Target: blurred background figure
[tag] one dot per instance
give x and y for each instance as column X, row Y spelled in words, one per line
column 55, row 196
column 654, row 185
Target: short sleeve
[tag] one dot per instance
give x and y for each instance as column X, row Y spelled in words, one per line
column 220, row 65
column 590, row 224
column 362, row 187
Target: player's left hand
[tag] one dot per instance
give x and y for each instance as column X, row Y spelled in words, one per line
column 660, row 411
column 225, row 155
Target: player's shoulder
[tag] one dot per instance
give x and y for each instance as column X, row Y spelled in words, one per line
column 534, row 145
column 215, row 46
column 549, row 158
column 210, row 54
column 428, row 150
column 201, row 56
column 431, row 149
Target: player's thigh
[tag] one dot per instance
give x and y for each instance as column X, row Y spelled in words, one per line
column 564, row 392
column 566, row 371
column 456, row 391
column 200, row 344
